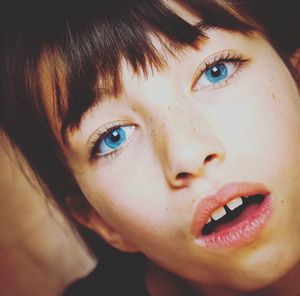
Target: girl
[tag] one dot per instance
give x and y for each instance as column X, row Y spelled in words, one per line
column 169, row 128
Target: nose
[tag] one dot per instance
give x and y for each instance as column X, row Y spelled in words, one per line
column 190, row 155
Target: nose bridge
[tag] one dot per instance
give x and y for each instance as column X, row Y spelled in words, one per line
column 189, row 144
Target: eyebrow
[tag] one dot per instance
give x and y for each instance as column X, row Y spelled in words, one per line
column 70, row 124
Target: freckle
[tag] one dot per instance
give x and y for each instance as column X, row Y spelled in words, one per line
column 282, row 201
column 133, row 109
column 153, row 134
column 193, row 200
column 273, row 96
column 167, row 209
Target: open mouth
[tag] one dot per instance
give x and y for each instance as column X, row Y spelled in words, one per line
column 232, row 213
column 233, row 216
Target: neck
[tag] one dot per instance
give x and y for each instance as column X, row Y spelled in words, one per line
column 161, row 282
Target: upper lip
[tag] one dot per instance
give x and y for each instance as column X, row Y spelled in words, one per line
column 222, row 196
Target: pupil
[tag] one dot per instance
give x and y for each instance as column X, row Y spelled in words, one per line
column 215, row 71
column 115, row 136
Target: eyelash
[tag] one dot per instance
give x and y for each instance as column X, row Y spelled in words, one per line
column 225, row 57
column 99, row 136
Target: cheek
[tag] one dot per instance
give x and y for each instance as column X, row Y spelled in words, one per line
column 278, row 122
column 129, row 192
column 259, row 121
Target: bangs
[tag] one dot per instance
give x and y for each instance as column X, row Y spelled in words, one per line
column 93, row 41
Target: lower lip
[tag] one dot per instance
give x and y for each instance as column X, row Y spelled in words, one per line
column 242, row 233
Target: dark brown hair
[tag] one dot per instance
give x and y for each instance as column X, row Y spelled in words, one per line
column 83, row 43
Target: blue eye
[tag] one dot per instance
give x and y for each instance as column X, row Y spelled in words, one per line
column 113, row 139
column 216, row 74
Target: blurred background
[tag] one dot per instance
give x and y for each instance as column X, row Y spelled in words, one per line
column 39, row 252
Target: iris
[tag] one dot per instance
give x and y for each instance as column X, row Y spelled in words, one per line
column 216, row 73
column 115, row 138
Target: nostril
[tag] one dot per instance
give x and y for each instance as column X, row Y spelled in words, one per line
column 210, row 158
column 182, row 175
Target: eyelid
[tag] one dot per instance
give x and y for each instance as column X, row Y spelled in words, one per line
column 219, row 57
column 99, row 135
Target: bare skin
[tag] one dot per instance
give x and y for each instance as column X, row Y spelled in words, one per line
column 181, row 136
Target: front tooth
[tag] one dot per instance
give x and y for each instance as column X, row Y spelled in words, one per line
column 208, row 220
column 235, row 203
column 218, row 213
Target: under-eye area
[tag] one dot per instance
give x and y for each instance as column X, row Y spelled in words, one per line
column 232, row 213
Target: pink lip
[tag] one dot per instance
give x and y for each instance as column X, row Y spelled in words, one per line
column 241, row 233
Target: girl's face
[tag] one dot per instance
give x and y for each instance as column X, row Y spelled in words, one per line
column 166, row 155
